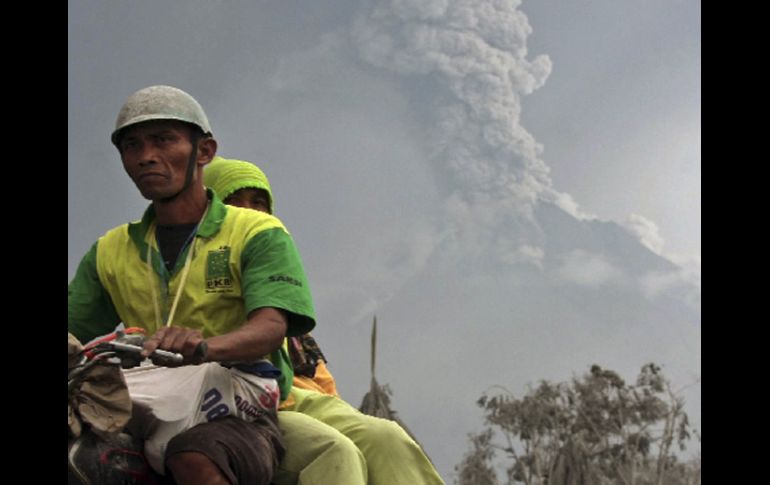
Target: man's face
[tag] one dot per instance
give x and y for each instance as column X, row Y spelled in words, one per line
column 155, row 155
column 256, row 199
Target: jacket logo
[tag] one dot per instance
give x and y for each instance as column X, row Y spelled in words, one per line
column 218, row 276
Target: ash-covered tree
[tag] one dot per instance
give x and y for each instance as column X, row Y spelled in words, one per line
column 595, row 429
column 476, row 467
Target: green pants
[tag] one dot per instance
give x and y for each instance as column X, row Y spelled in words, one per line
column 317, row 454
column 381, row 450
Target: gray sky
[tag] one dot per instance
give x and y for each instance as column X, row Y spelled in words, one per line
column 505, row 185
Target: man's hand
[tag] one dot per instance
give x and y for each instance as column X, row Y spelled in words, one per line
column 262, row 333
column 189, row 343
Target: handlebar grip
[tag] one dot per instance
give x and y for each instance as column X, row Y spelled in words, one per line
column 170, row 357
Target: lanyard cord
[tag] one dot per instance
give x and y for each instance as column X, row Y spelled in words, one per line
column 183, row 279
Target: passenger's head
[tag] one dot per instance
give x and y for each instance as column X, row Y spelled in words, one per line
column 239, row 183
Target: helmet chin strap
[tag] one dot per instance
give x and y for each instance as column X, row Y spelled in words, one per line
column 194, row 138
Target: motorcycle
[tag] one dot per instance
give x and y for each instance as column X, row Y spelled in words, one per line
column 98, row 453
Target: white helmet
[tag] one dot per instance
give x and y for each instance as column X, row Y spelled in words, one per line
column 160, row 103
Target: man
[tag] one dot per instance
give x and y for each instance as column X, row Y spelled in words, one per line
column 213, row 283
column 392, row 457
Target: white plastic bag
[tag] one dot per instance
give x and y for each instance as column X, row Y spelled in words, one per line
column 181, row 397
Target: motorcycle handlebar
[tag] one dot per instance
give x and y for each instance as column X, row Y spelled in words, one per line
column 170, row 357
